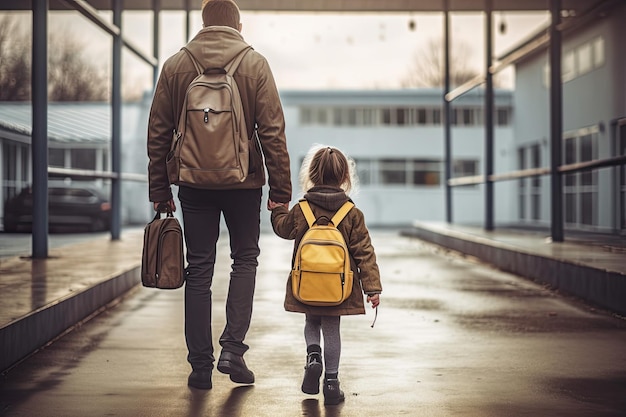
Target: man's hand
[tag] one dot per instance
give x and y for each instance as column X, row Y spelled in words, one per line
column 170, row 204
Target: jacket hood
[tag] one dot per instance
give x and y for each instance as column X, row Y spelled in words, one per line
column 216, row 46
column 329, row 198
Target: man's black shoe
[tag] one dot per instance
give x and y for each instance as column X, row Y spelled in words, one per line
column 200, row 380
column 234, row 365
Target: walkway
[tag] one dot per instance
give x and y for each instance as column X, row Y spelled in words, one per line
column 454, row 337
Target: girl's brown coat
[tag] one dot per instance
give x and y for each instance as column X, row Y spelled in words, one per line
column 292, row 225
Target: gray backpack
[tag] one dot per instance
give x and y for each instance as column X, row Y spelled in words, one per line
column 210, row 145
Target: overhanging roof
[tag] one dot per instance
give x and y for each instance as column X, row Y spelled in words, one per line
column 318, row 5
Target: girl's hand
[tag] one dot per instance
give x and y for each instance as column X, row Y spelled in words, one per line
column 271, row 205
column 374, row 299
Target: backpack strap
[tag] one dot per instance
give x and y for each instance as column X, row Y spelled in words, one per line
column 230, row 68
column 194, row 60
column 342, row 212
column 337, row 218
column 308, row 213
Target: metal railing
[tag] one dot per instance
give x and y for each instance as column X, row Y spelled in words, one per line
column 537, row 172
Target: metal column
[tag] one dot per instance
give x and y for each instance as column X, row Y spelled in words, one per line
column 556, row 122
column 446, row 112
column 116, row 117
column 489, row 208
column 156, row 9
column 187, row 20
column 40, row 129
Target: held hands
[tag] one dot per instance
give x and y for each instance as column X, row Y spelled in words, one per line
column 374, row 299
column 271, row 205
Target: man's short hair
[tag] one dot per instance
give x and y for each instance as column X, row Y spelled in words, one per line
column 220, row 13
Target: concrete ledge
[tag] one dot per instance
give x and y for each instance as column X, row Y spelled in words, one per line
column 41, row 299
column 585, row 271
column 25, row 335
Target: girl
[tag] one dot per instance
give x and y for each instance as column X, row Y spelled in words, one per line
column 326, row 177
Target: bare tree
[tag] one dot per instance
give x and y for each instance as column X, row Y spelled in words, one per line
column 427, row 69
column 71, row 77
column 14, row 62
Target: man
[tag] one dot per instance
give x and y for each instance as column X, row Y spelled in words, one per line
column 214, row 47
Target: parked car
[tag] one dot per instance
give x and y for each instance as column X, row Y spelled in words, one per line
column 70, row 207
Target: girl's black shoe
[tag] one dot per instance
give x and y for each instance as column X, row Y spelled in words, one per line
column 332, row 394
column 312, row 373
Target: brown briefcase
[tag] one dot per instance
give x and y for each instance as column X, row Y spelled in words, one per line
column 162, row 262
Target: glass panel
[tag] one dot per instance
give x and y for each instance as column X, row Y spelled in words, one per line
column 586, row 208
column 598, row 52
column 25, row 163
column 568, row 70
column 426, row 172
column 83, row 158
column 536, row 206
column 467, row 117
column 570, row 158
column 570, row 208
column 502, row 117
column 583, row 55
column 535, row 152
column 387, row 116
column 436, row 116
column 400, row 119
column 393, row 171
column 421, row 116
column 352, row 117
column 337, row 116
column 522, row 206
column 322, row 116
column 56, row 157
column 305, row 119
column 586, row 154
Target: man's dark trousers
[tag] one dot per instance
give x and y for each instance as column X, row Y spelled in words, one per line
column 202, row 210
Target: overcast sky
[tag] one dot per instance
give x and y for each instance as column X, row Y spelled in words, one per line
column 314, row 51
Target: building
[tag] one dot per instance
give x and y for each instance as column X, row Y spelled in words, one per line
column 594, row 124
column 79, row 138
column 397, row 140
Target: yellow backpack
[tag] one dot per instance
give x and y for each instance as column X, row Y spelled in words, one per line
column 321, row 274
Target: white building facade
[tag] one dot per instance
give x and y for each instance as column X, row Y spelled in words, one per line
column 594, row 126
column 397, row 140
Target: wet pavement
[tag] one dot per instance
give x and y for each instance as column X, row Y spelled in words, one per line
column 454, row 337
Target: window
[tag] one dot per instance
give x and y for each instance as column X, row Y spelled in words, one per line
column 583, row 55
column 56, row 157
column 436, row 116
column 400, row 116
column 306, row 117
column 598, row 52
column 568, row 69
column 421, row 116
column 387, row 116
column 393, row 171
column 83, row 158
column 426, row 172
column 502, row 116
column 581, row 188
column 521, row 164
column 465, row 168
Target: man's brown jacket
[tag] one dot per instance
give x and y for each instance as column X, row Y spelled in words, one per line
column 215, row 47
